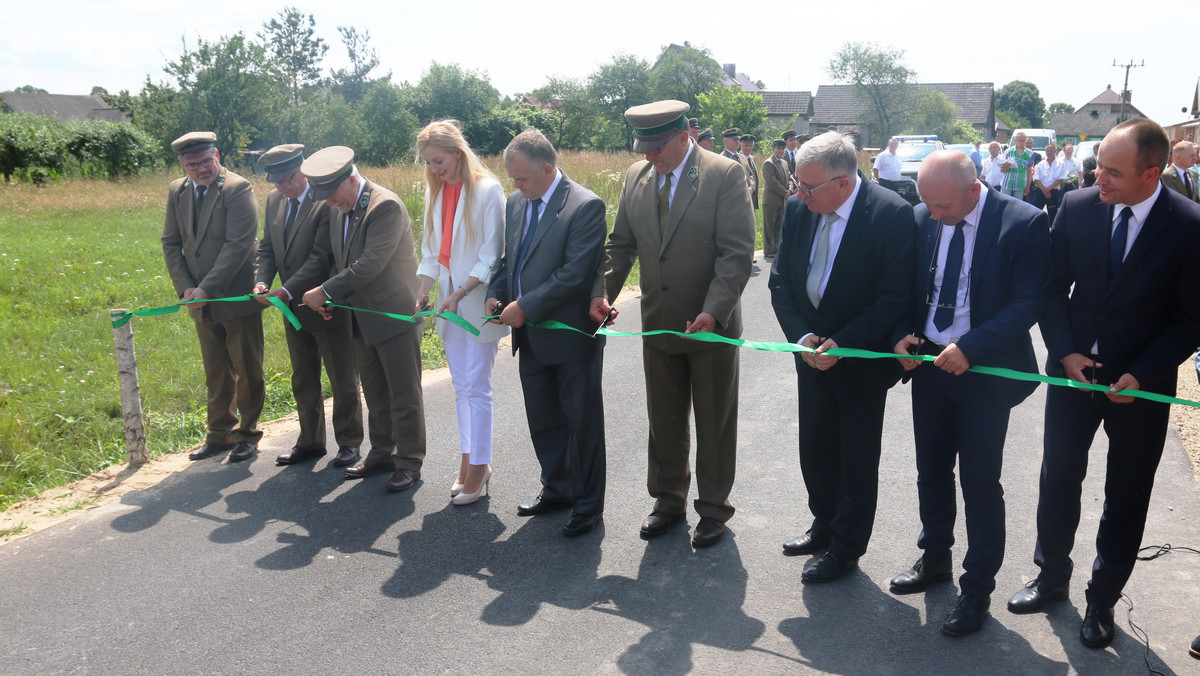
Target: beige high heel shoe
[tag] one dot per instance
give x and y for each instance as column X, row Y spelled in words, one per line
column 456, row 488
column 464, row 498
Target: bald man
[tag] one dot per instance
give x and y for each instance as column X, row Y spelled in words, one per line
column 983, row 267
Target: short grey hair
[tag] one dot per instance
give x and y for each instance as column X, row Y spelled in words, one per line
column 832, row 150
column 534, row 145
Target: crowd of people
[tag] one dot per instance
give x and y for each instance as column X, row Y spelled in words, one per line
column 1111, row 276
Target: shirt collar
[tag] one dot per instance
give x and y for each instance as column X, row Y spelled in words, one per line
column 550, row 191
column 843, row 211
column 678, row 170
column 1141, row 210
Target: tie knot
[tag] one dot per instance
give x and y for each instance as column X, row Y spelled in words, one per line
column 536, row 203
column 1127, row 213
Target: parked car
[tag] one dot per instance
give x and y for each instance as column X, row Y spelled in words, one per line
column 964, row 148
column 1085, row 149
column 912, row 153
column 1040, row 137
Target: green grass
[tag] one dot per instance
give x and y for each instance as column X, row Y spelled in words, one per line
column 7, row 533
column 73, row 250
column 82, row 503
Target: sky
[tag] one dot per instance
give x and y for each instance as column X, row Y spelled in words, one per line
column 69, row 47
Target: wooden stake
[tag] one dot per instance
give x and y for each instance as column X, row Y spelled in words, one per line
column 131, row 396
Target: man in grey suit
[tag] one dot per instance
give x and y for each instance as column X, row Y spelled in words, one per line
column 288, row 234
column 685, row 217
column 554, row 239
column 366, row 244
column 775, row 194
column 208, row 242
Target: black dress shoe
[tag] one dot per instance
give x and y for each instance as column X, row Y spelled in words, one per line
column 657, row 523
column 1036, row 595
column 365, row 468
column 346, row 455
column 827, row 568
column 541, row 506
column 242, row 450
column 806, row 544
column 1194, row 650
column 208, row 450
column 1097, row 630
column 922, row 576
column 579, row 524
column 298, row 454
column 709, row 531
column 403, row 479
column 968, row 615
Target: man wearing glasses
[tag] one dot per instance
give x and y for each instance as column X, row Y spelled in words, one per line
column 983, row 267
column 289, row 236
column 842, row 277
column 209, row 242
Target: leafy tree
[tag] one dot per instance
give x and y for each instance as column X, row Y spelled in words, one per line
column 1060, row 107
column 1023, row 99
column 490, row 133
column 448, row 91
column 157, row 110
column 99, row 91
column 880, row 79
column 110, row 149
column 569, row 112
column 934, row 113
column 352, row 84
column 29, row 89
column 291, row 40
column 1013, row 120
column 726, row 107
column 616, row 87
column 683, row 73
column 387, row 131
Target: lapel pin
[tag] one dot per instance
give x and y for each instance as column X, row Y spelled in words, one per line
column 693, row 173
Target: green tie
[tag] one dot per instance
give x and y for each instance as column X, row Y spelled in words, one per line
column 664, row 205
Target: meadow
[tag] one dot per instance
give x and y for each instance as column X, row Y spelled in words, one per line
column 72, row 250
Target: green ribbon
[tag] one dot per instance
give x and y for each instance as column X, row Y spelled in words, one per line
column 452, row 317
column 764, row 346
column 122, row 317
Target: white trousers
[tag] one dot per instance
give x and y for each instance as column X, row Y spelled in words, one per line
column 471, row 373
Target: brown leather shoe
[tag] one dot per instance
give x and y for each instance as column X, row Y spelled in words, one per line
column 346, row 455
column 297, row 454
column 708, row 532
column 403, row 479
column 208, row 450
column 657, row 523
column 366, row 468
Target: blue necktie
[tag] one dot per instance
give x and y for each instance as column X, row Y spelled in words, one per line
column 943, row 317
column 526, row 240
column 1116, row 246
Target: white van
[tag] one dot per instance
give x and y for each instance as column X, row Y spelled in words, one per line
column 1041, row 137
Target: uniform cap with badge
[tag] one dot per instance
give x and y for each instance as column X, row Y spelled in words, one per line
column 326, row 169
column 194, row 144
column 282, row 161
column 656, row 123
column 733, row 132
column 706, row 135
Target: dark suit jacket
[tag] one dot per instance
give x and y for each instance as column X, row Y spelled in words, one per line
column 374, row 269
column 869, row 286
column 219, row 257
column 285, row 253
column 1147, row 319
column 703, row 262
column 560, row 265
column 1010, row 272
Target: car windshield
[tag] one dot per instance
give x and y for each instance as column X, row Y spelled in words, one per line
column 1039, row 142
column 914, row 152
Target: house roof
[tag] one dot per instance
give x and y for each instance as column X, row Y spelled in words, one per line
column 1108, row 96
column 64, row 107
column 1086, row 124
column 837, row 104
column 787, row 103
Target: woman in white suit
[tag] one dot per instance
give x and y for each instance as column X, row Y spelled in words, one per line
column 463, row 242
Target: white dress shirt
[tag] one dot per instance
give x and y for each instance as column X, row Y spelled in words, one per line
column 888, row 166
column 962, row 307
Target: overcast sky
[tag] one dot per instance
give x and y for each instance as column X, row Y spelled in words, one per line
column 68, row 47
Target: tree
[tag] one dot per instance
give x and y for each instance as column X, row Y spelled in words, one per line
column 1022, row 99
column 352, row 84
column 29, row 89
column 683, row 73
column 616, row 87
column 726, row 107
column 387, row 130
column 295, row 48
column 449, row 92
column 934, row 113
column 879, row 79
column 1060, row 107
column 569, row 111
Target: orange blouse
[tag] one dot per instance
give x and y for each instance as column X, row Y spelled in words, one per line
column 450, row 194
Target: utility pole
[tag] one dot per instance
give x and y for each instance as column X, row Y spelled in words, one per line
column 1125, row 90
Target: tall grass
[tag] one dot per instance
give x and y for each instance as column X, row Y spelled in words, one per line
column 72, row 250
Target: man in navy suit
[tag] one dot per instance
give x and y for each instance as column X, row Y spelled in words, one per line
column 554, row 239
column 1123, row 310
column 842, row 277
column 982, row 269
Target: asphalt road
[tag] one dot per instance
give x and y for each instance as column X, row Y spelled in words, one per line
column 255, row 568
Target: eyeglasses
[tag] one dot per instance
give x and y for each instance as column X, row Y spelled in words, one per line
column 194, row 166
column 808, row 192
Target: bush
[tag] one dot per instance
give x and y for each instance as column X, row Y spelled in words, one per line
column 109, row 149
column 37, row 148
column 29, row 141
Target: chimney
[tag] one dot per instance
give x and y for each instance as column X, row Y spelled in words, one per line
column 730, row 70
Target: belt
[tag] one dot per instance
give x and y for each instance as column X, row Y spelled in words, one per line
column 931, row 348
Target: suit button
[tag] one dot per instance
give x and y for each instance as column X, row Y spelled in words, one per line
column 664, row 288
column 662, row 259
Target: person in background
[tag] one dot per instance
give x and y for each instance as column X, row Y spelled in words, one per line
column 991, row 173
column 464, row 238
column 1072, row 169
column 1047, row 182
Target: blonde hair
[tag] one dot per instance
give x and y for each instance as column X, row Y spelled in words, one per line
column 445, row 135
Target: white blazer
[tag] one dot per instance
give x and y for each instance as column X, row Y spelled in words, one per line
column 479, row 259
